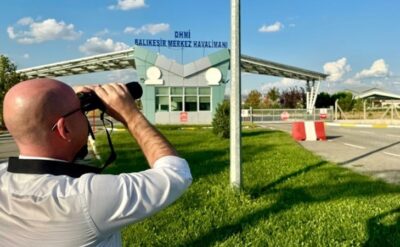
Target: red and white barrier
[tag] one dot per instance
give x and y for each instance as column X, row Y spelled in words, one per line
column 308, row 131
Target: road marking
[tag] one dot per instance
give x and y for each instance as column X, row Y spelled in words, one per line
column 392, row 154
column 354, row 146
column 391, row 135
column 365, row 132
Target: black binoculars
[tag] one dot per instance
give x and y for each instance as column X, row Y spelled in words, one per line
column 90, row 101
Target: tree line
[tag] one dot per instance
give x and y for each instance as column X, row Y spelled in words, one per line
column 295, row 97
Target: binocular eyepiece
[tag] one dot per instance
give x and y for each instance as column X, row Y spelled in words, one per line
column 90, row 101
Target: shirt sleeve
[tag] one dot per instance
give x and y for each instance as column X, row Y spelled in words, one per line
column 115, row 201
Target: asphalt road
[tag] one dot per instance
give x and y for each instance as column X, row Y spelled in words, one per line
column 367, row 150
column 7, row 147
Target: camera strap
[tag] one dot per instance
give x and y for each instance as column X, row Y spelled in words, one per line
column 112, row 155
column 56, row 168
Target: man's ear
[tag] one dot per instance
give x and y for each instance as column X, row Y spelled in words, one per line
column 63, row 129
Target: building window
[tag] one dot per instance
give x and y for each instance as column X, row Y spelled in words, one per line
column 204, row 103
column 205, row 99
column 162, row 103
column 190, row 99
column 162, row 99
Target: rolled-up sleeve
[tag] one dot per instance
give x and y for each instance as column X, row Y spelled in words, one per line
column 114, row 201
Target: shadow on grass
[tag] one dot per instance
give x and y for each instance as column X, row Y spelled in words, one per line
column 257, row 192
column 380, row 234
column 259, row 132
column 289, row 197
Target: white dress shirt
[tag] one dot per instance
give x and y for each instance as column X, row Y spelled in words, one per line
column 47, row 210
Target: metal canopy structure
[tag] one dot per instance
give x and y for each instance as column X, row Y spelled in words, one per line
column 377, row 93
column 104, row 62
column 264, row 67
column 124, row 60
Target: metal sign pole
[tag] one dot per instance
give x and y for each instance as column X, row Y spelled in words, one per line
column 235, row 98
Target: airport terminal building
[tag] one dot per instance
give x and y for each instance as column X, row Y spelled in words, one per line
column 175, row 93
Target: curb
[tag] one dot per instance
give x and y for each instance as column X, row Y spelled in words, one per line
column 351, row 125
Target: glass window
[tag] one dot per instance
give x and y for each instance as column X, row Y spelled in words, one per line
column 176, row 90
column 204, row 91
column 176, row 104
column 162, row 103
column 191, row 91
column 204, row 104
column 162, row 90
column 191, row 103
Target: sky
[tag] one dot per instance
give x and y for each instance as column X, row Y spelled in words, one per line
column 356, row 42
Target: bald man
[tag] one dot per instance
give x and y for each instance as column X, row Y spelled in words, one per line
column 47, row 200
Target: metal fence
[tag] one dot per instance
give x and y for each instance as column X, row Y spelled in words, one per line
column 288, row 115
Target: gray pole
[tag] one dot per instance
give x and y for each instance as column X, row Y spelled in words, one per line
column 235, row 121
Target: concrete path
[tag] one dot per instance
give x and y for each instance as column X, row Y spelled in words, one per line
column 7, row 147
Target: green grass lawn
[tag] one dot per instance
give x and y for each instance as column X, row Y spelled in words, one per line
column 290, row 197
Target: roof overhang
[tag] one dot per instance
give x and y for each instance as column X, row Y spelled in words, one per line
column 377, row 94
column 125, row 59
column 103, row 62
column 264, row 67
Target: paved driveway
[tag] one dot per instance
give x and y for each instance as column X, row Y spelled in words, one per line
column 373, row 151
column 7, row 147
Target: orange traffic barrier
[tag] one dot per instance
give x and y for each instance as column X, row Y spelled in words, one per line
column 308, row 131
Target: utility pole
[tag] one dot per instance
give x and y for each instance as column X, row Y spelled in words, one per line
column 235, row 99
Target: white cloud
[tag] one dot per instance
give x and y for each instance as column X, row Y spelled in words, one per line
column 25, row 21
column 282, row 84
column 128, row 4
column 11, row 33
column 378, row 69
column 26, row 56
column 102, row 32
column 39, row 32
column 336, row 69
column 276, row 27
column 126, row 75
column 96, row 45
column 152, row 29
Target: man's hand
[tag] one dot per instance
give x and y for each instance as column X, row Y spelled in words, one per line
column 118, row 101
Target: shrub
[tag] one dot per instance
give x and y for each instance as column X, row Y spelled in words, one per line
column 221, row 121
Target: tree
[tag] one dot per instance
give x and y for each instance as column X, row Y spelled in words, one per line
column 293, row 97
column 8, row 78
column 346, row 101
column 271, row 99
column 324, row 100
column 221, row 120
column 253, row 99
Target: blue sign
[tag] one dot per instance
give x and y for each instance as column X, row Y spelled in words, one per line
column 181, row 40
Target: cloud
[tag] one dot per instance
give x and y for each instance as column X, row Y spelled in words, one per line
column 38, row 32
column 25, row 21
column 336, row 69
column 378, row 69
column 103, row 32
column 282, row 84
column 26, row 56
column 124, row 76
column 96, row 45
column 128, row 5
column 276, row 27
column 152, row 29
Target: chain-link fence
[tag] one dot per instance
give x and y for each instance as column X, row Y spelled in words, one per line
column 290, row 115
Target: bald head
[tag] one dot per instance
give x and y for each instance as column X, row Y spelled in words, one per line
column 32, row 107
